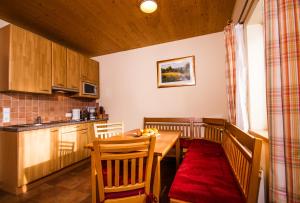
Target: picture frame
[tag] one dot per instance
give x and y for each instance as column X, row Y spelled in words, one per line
column 176, row 72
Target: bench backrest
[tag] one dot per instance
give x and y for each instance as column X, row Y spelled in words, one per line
column 191, row 128
column 243, row 151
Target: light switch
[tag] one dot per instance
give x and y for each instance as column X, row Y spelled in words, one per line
column 6, row 115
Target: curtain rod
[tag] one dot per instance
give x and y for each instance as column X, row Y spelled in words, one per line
column 242, row 13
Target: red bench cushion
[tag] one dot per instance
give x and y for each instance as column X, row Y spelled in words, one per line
column 185, row 143
column 205, row 176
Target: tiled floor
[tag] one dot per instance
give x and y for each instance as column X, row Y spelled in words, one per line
column 75, row 187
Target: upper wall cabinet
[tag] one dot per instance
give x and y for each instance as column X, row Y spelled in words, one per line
column 90, row 72
column 59, row 66
column 30, row 63
column 74, row 64
column 66, row 65
column 70, row 69
column 25, row 61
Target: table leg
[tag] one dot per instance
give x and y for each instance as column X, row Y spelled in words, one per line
column 157, row 184
column 93, row 178
column 177, row 152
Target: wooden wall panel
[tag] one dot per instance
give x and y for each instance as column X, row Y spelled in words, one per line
column 98, row 28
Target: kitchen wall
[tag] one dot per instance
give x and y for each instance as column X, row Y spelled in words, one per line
column 128, row 82
column 26, row 107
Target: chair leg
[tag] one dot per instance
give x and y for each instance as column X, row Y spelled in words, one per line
column 177, row 153
column 93, row 179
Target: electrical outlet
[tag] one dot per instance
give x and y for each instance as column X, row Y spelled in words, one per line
column 6, row 115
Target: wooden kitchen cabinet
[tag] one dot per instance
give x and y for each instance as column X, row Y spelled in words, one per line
column 59, row 66
column 82, row 138
column 31, row 63
column 38, row 154
column 25, row 61
column 90, row 71
column 74, row 63
column 28, row 156
column 66, row 66
column 93, row 72
column 72, row 141
column 68, row 148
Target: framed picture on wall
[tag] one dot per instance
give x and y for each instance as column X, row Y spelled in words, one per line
column 176, row 72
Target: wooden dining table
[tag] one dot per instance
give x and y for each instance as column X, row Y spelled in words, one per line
column 164, row 142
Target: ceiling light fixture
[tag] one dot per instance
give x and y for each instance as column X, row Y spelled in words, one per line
column 148, row 6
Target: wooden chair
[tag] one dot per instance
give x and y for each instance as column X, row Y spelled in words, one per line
column 123, row 169
column 106, row 130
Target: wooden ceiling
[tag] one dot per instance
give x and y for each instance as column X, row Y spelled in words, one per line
column 98, row 27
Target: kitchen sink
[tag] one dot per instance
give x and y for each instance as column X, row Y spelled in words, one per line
column 33, row 124
column 38, row 124
column 26, row 125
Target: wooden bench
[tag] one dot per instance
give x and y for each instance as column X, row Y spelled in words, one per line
column 241, row 150
column 192, row 128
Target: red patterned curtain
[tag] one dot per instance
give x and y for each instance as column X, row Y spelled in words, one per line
column 230, row 72
column 282, row 38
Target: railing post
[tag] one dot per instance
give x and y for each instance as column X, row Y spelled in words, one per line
column 192, row 127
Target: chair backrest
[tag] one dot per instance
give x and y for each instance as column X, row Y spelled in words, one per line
column 106, row 130
column 123, row 165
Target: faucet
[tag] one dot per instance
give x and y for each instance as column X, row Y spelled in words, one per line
column 39, row 120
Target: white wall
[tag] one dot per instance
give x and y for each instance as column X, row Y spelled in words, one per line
column 3, row 23
column 128, row 87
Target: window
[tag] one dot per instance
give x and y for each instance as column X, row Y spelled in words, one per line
column 257, row 107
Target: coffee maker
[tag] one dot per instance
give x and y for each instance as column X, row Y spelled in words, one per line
column 92, row 113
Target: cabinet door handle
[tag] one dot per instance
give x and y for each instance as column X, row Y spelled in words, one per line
column 45, row 90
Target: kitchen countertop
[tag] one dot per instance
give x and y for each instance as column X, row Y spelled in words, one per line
column 28, row 127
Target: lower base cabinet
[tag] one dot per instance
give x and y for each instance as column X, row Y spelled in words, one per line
column 71, row 144
column 30, row 155
column 38, row 154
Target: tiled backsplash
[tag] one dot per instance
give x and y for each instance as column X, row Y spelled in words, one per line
column 25, row 108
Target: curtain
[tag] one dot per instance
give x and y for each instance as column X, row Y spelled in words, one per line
column 230, row 72
column 236, row 76
column 241, row 80
column 282, row 41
